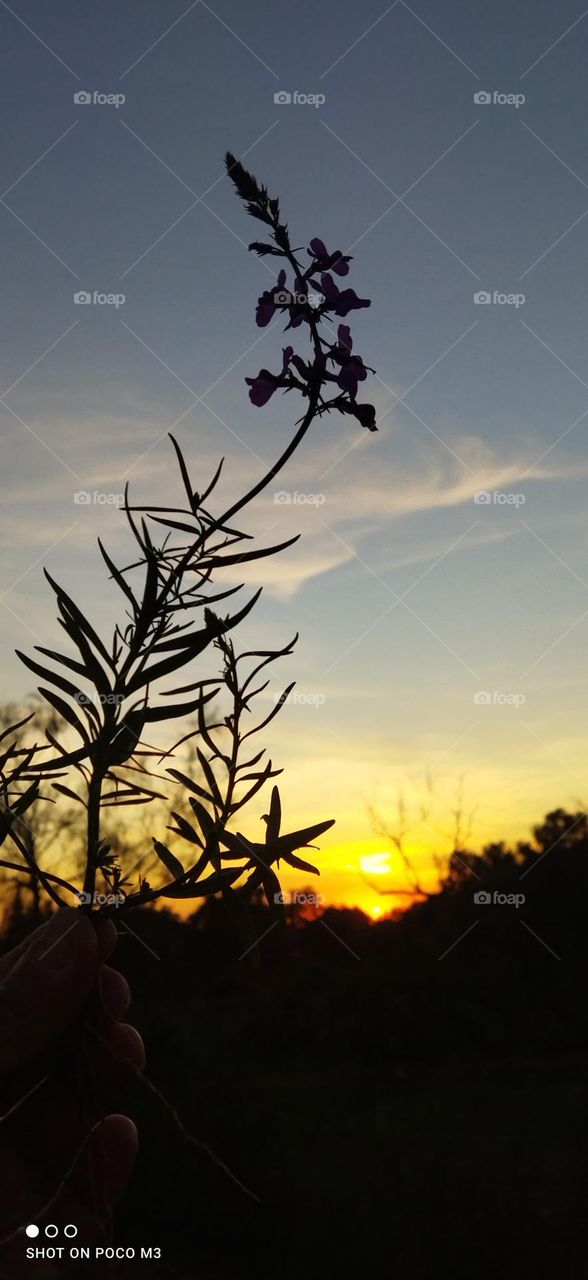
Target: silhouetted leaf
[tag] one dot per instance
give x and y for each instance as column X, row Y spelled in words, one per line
column 119, row 577
column 260, row 780
column 300, row 864
column 197, row 790
column 60, row 682
column 213, row 482
column 67, row 712
column 147, row 606
column 170, row 862
column 206, row 822
column 71, row 795
column 248, row 764
column 189, row 688
column 299, row 839
column 210, row 778
column 184, row 829
column 12, row 728
column 66, row 661
column 269, row 654
column 192, row 497
column 204, row 888
column 78, row 617
column 172, row 710
column 190, row 784
column 115, row 804
column 274, row 712
column 180, row 525
column 92, row 668
column 274, row 817
column 220, row 561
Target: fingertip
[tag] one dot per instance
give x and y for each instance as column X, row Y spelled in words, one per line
column 106, row 935
column 123, row 1133
column 106, row 1164
column 114, row 991
column 119, row 1141
column 125, row 1041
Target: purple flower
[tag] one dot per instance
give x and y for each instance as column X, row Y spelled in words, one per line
column 341, row 301
column 304, row 369
column 325, row 261
column 268, row 304
column 262, row 388
column 344, row 337
column 352, row 368
column 352, row 372
column 298, row 305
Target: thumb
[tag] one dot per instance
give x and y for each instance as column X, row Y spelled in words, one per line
column 45, row 990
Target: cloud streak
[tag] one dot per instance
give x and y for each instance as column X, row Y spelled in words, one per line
column 384, row 489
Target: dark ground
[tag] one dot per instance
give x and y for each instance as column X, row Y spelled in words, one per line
column 396, row 1113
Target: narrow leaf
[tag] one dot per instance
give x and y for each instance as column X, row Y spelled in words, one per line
column 60, row 682
column 170, row 862
column 67, row 712
column 212, row 884
column 78, row 616
column 274, row 818
column 218, row 562
column 285, row 845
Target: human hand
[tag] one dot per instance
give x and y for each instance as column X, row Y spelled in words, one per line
column 63, row 1053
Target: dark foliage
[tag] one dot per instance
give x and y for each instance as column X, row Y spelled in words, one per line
column 369, row 1079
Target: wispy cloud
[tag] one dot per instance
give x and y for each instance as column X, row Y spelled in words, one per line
column 370, row 487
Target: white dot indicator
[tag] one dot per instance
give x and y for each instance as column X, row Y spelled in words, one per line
column 51, row 1230
column 70, row 1230
column 31, row 1230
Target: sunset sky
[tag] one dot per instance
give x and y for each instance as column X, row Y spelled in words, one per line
column 411, row 597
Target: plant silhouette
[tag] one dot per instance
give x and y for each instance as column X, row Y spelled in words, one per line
column 109, row 693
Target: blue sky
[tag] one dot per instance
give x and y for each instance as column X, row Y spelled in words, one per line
column 438, row 197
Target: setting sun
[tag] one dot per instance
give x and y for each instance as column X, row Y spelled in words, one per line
column 376, row 864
